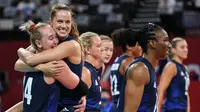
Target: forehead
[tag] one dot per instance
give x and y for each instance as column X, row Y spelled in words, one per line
column 46, row 30
column 63, row 14
column 161, row 35
column 107, row 43
column 96, row 39
column 181, row 43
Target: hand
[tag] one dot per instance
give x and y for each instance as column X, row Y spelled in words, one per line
column 31, row 49
column 23, row 54
column 51, row 68
column 81, row 107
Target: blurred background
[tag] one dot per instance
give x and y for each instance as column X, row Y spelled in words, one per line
column 178, row 17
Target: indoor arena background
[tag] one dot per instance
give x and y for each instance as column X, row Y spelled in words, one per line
column 178, row 17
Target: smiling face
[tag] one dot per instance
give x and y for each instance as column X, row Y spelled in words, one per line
column 107, row 50
column 162, row 44
column 180, row 49
column 62, row 23
column 48, row 39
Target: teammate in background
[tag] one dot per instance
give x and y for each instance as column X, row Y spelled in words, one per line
column 107, row 49
column 175, row 80
column 126, row 38
column 91, row 74
column 139, row 90
column 70, row 50
column 41, row 93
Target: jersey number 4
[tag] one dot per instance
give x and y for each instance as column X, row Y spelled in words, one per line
column 27, row 90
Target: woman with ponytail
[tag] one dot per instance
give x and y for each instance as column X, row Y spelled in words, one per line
column 70, row 50
column 175, row 80
column 41, row 92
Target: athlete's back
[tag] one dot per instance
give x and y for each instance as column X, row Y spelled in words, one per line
column 176, row 97
column 149, row 98
column 38, row 96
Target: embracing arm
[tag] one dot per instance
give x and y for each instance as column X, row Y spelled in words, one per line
column 137, row 78
column 23, row 67
column 63, row 50
column 168, row 73
column 16, row 108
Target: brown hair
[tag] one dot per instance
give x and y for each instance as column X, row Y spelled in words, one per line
column 74, row 31
column 32, row 29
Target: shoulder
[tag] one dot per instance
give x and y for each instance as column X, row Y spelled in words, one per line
column 86, row 71
column 170, row 69
column 73, row 43
column 170, row 66
column 138, row 72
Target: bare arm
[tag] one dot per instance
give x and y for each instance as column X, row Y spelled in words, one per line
column 86, row 77
column 188, row 103
column 168, row 73
column 16, row 108
column 69, row 79
column 137, row 78
column 23, row 67
column 63, row 50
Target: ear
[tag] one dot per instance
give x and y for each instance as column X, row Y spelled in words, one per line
column 152, row 44
column 50, row 22
column 38, row 44
column 87, row 50
column 128, row 47
column 173, row 50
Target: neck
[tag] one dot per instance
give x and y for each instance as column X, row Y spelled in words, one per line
column 151, row 58
column 100, row 64
column 130, row 54
column 177, row 59
column 90, row 59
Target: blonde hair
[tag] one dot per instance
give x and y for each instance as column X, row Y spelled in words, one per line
column 32, row 30
column 105, row 37
column 86, row 39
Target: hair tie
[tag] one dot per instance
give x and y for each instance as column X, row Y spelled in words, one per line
column 32, row 27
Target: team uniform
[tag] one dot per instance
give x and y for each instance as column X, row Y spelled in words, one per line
column 38, row 96
column 176, row 96
column 149, row 99
column 69, row 98
column 94, row 96
column 116, row 79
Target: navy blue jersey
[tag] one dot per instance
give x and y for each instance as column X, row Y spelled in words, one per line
column 69, row 98
column 94, row 96
column 38, row 96
column 149, row 98
column 116, row 78
column 176, row 94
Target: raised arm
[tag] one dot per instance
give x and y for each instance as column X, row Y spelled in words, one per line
column 63, row 50
column 137, row 78
column 168, row 73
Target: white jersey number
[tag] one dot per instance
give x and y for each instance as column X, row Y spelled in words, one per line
column 114, row 85
column 27, row 90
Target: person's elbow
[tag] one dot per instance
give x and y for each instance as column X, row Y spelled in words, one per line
column 81, row 89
